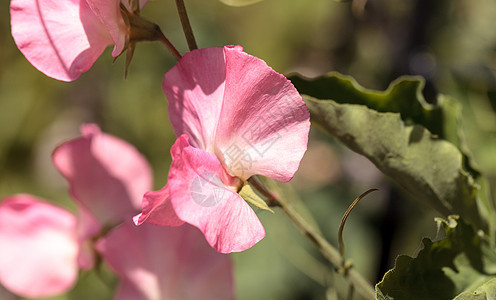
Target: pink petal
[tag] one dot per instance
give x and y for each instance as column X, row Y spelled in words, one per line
column 87, row 228
column 106, row 175
column 265, row 123
column 60, row 38
column 109, row 14
column 127, row 4
column 157, row 209
column 126, row 290
column 199, row 195
column 38, row 247
column 166, row 263
column 195, row 91
column 235, row 106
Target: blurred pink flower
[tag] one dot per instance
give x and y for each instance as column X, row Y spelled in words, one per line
column 106, row 175
column 38, row 247
column 235, row 117
column 63, row 38
column 166, row 263
column 43, row 246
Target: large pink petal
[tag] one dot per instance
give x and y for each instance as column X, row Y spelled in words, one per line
column 202, row 194
column 195, row 89
column 38, row 247
column 233, row 105
column 166, row 263
column 106, row 174
column 60, row 38
column 157, row 209
column 264, row 122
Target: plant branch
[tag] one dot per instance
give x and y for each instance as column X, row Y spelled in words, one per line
column 328, row 251
column 188, row 31
column 360, row 285
column 261, row 188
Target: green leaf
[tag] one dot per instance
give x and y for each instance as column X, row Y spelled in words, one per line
column 249, row 195
column 239, row 2
column 485, row 292
column 403, row 96
column 462, row 262
column 385, row 128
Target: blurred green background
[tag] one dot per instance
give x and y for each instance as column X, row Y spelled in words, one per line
column 451, row 43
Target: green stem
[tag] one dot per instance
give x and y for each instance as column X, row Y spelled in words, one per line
column 188, row 31
column 261, row 188
column 362, row 286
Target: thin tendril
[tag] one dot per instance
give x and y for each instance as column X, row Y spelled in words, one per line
column 345, row 216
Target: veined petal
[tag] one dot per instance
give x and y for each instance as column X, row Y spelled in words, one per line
column 264, row 122
column 38, row 247
column 233, row 105
column 202, row 194
column 195, row 91
column 166, row 263
column 60, row 38
column 106, row 175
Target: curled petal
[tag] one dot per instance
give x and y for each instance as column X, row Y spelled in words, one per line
column 109, row 13
column 38, row 247
column 165, row 263
column 203, row 194
column 60, row 38
column 129, row 4
column 106, row 175
column 157, row 209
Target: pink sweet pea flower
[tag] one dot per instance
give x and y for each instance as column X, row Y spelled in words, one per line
column 38, row 247
column 106, row 175
column 235, row 117
column 156, row 262
column 42, row 246
column 63, row 38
